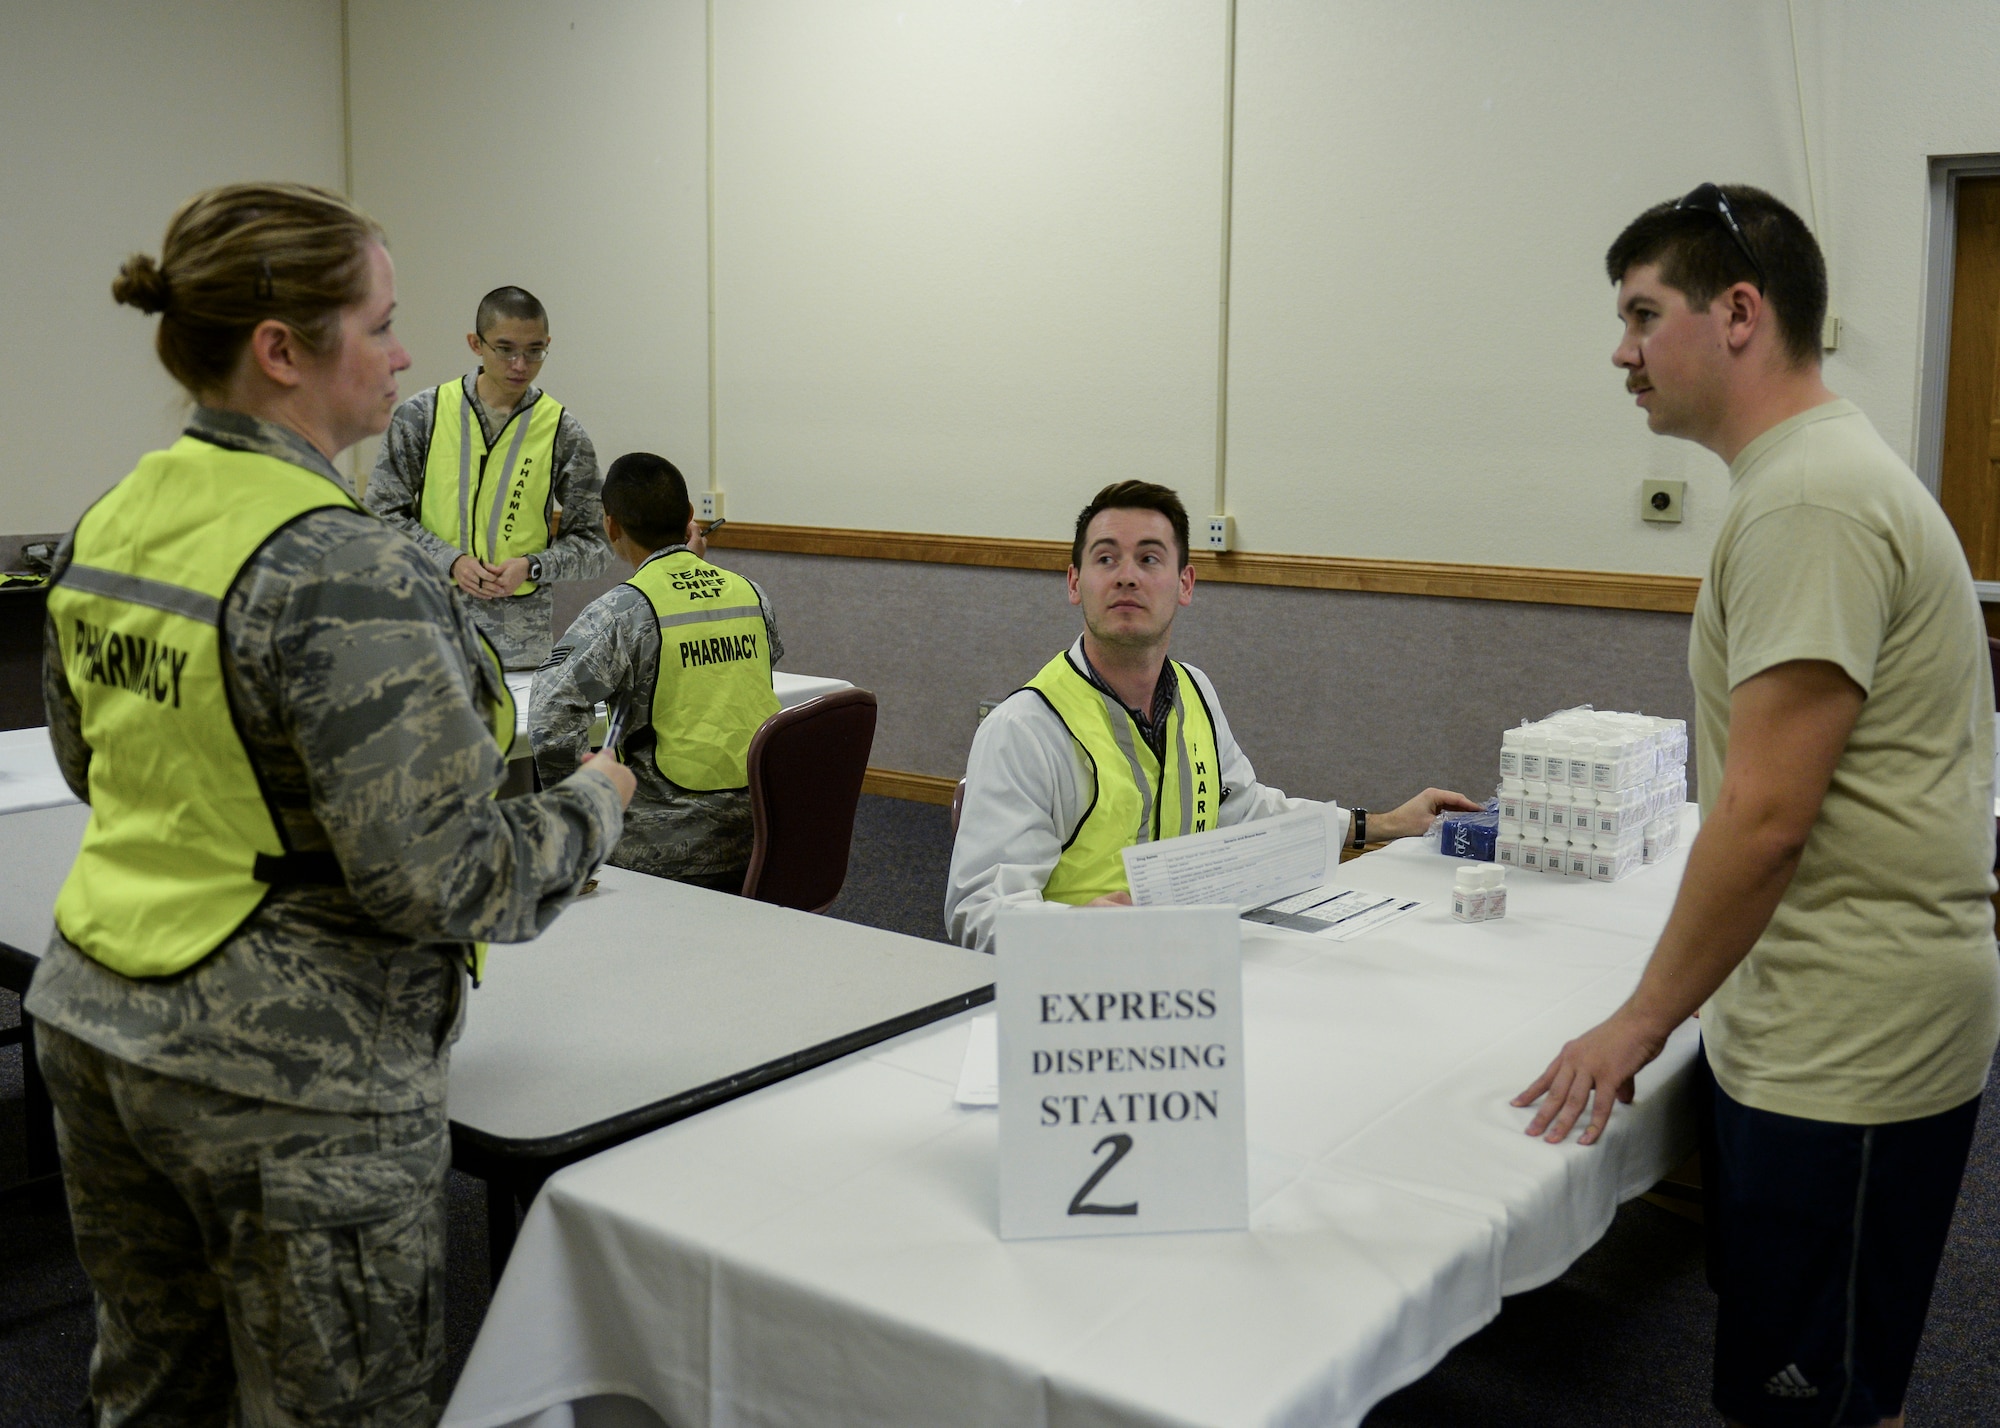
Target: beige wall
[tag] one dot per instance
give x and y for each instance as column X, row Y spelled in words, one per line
column 968, row 257
column 1424, row 195
column 561, row 148
column 114, row 113
column 968, row 251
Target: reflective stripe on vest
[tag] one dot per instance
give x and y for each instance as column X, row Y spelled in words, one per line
column 713, row 688
column 179, row 829
column 1136, row 800
column 491, row 510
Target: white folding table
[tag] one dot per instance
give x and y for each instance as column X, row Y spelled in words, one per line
column 29, row 776
column 790, row 688
column 825, row 1251
column 645, row 1002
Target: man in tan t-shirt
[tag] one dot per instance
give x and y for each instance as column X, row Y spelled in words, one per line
column 1833, row 927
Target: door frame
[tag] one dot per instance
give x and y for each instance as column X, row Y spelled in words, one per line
column 1941, row 269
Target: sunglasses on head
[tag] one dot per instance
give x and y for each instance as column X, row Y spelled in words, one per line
column 1709, row 198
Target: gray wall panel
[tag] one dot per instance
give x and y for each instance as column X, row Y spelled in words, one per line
column 1357, row 696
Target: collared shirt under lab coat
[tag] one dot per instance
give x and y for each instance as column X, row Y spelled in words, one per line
column 1027, row 785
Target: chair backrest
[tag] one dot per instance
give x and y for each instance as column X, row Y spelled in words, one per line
column 1993, row 653
column 806, row 766
column 957, row 806
column 23, row 610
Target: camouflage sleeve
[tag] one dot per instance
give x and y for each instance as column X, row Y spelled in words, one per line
column 603, row 655
column 770, row 625
column 65, row 715
column 380, row 689
column 396, row 486
column 579, row 550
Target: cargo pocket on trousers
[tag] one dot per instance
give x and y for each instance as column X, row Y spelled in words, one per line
column 358, row 1252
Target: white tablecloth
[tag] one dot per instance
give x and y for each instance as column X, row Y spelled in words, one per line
column 29, row 778
column 790, row 688
column 825, row 1251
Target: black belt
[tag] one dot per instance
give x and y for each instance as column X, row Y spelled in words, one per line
column 299, row 870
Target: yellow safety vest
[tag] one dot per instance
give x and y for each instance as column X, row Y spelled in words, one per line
column 713, row 687
column 182, row 845
column 1137, row 800
column 491, row 511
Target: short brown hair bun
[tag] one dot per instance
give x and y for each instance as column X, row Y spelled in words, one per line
column 243, row 254
column 140, row 284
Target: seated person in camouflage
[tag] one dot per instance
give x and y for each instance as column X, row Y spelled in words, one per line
column 684, row 651
column 478, row 470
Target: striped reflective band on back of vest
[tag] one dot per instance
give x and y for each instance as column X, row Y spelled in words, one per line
column 139, row 590
column 703, row 617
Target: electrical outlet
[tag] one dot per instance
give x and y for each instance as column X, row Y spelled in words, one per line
column 1218, row 533
column 1829, row 333
column 987, row 706
column 708, row 505
column 1661, row 501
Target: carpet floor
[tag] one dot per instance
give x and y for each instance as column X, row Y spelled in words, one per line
column 1620, row 1341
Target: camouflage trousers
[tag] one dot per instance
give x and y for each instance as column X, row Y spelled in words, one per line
column 252, row 1263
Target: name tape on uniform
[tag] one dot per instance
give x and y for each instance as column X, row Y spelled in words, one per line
column 1121, row 1071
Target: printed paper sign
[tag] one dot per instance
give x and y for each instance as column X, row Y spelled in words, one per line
column 1121, row 1071
column 1248, row 865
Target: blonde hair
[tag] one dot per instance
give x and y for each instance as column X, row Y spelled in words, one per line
column 240, row 255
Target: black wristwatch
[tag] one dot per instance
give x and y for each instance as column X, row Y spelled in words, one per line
column 1360, row 827
column 535, row 568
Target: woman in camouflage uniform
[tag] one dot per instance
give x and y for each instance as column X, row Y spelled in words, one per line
column 248, row 1055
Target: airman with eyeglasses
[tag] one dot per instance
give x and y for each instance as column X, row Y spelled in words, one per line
column 497, row 480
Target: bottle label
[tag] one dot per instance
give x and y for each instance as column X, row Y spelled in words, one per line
column 1510, row 763
column 1531, row 765
column 1579, row 772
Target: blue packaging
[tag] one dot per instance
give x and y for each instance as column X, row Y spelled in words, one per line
column 1469, row 835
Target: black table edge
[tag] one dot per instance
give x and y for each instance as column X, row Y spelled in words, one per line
column 471, row 1147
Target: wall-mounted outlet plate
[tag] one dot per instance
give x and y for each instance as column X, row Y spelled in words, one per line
column 1661, row 500
column 1218, row 533
column 708, row 505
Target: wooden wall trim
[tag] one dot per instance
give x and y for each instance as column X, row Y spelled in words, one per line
column 1603, row 589
column 916, row 787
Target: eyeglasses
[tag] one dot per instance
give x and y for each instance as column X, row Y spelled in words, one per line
column 509, row 354
column 1709, row 198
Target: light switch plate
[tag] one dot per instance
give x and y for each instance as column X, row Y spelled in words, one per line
column 708, row 505
column 1661, row 500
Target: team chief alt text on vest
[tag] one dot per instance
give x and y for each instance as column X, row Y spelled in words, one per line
column 1128, row 1107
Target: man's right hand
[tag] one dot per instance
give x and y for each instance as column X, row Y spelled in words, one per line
column 1119, row 899
column 476, row 578
column 620, row 776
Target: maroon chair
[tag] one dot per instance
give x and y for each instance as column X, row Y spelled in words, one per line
column 806, row 766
